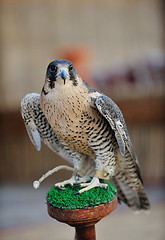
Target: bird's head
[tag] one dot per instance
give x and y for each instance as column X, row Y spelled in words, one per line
column 60, row 73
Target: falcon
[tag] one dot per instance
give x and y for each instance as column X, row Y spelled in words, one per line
column 86, row 128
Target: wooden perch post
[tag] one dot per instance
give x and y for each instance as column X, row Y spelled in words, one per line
column 83, row 220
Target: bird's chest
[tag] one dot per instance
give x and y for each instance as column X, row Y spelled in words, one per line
column 67, row 115
column 71, row 117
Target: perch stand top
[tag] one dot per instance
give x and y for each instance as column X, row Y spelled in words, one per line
column 81, row 211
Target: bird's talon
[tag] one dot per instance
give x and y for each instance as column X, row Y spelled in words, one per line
column 69, row 184
column 76, row 185
column 60, row 187
column 76, row 193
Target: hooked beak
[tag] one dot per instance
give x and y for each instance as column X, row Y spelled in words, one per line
column 63, row 74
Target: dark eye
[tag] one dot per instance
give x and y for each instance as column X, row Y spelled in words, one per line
column 53, row 68
column 71, row 68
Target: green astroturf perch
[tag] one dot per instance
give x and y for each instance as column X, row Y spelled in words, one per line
column 68, row 199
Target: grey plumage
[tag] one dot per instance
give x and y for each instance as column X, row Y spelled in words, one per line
column 87, row 129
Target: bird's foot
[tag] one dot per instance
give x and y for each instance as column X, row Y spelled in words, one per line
column 94, row 183
column 73, row 180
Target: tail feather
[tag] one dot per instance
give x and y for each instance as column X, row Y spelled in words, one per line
column 145, row 205
column 136, row 200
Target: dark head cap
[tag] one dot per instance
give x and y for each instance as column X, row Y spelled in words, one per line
column 55, row 70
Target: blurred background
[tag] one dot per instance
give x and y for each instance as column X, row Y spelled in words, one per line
column 116, row 46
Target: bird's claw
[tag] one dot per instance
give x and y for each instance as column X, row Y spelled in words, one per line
column 76, row 193
column 76, row 185
column 60, row 187
column 75, row 182
column 70, row 182
column 94, row 183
